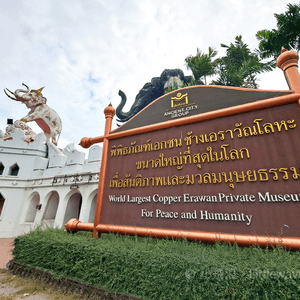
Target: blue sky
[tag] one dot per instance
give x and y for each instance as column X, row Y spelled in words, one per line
column 83, row 52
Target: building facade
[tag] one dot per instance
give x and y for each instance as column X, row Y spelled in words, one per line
column 43, row 186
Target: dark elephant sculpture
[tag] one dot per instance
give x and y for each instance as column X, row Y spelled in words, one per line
column 151, row 90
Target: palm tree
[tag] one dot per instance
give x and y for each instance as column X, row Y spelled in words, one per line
column 201, row 65
column 239, row 66
column 287, row 33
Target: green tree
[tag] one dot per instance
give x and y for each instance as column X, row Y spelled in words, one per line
column 239, row 67
column 201, row 65
column 287, row 33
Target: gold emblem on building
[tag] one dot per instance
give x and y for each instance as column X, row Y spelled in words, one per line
column 179, row 100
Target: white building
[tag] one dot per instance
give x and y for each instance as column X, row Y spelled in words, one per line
column 42, row 185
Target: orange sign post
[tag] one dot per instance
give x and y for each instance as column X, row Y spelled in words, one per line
column 205, row 163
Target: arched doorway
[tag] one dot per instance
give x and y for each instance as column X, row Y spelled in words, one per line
column 32, row 209
column 2, row 200
column 51, row 209
column 73, row 207
column 93, row 209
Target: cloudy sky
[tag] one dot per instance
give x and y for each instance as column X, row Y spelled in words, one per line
column 84, row 51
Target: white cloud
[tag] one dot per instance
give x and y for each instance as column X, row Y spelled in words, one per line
column 83, row 52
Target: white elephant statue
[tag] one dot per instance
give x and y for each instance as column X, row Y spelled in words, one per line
column 46, row 118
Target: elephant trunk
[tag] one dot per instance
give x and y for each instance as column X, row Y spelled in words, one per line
column 17, row 92
column 123, row 116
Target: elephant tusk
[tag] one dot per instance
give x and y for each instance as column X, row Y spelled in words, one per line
column 10, row 91
column 9, row 95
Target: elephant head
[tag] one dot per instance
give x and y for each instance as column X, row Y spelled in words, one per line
column 31, row 98
column 151, row 90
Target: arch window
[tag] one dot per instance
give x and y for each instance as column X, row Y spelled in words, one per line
column 14, row 170
column 1, row 168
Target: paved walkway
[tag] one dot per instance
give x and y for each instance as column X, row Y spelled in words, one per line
column 6, row 248
column 18, row 288
column 8, row 289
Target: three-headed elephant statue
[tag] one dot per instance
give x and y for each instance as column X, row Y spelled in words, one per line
column 46, row 118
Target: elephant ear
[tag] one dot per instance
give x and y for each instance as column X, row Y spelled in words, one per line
column 44, row 100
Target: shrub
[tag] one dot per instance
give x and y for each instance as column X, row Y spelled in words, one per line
column 163, row 269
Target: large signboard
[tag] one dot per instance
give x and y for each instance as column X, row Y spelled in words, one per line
column 235, row 174
column 205, row 163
